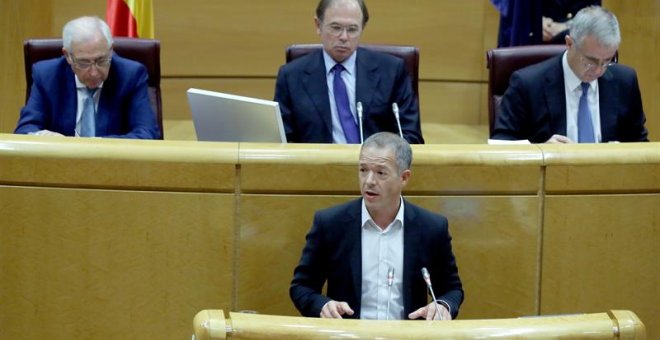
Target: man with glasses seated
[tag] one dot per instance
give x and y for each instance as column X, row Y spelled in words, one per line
column 579, row 96
column 89, row 92
column 320, row 94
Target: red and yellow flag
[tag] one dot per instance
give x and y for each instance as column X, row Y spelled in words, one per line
column 130, row 18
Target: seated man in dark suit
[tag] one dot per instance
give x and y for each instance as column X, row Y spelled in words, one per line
column 319, row 94
column 579, row 96
column 371, row 251
column 89, row 92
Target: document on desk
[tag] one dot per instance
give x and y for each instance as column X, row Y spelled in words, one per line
column 504, row 142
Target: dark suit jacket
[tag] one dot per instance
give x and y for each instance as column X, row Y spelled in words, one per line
column 534, row 105
column 124, row 110
column 333, row 252
column 381, row 79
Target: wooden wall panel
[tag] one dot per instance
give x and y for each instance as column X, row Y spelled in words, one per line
column 440, row 102
column 273, row 224
column 111, row 264
column 175, row 101
column 601, row 252
column 640, row 47
column 489, row 233
column 248, row 38
column 14, row 18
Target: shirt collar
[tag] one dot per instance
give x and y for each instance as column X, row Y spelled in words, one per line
column 368, row 221
column 349, row 63
column 80, row 85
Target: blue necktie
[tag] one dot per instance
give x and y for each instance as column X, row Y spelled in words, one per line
column 585, row 126
column 87, row 118
column 343, row 107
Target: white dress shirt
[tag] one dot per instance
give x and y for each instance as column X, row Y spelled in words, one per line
column 381, row 251
column 349, row 78
column 573, row 89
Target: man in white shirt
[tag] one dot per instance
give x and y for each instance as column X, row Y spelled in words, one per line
column 371, row 251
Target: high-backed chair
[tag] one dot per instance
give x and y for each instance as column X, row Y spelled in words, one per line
column 409, row 54
column 502, row 62
column 145, row 51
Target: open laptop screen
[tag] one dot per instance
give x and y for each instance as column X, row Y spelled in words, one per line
column 230, row 118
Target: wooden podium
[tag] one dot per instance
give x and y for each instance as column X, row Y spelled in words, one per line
column 615, row 324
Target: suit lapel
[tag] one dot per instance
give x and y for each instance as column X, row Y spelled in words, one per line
column 354, row 234
column 556, row 97
column 316, row 86
column 107, row 102
column 70, row 107
column 411, row 241
column 367, row 79
column 607, row 94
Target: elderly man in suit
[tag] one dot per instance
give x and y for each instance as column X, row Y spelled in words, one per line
column 319, row 93
column 579, row 96
column 371, row 250
column 89, row 92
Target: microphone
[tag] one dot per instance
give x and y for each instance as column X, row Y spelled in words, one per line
column 427, row 279
column 358, row 107
column 390, row 281
column 395, row 109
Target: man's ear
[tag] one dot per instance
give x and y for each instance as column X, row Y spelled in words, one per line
column 317, row 23
column 405, row 176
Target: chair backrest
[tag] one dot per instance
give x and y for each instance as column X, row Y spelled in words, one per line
column 502, row 62
column 409, row 54
column 145, row 51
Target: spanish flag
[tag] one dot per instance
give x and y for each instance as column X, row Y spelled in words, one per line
column 130, row 18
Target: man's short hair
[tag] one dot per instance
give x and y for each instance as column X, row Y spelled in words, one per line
column 84, row 28
column 598, row 23
column 390, row 141
column 324, row 4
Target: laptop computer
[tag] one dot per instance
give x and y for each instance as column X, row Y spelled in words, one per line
column 226, row 117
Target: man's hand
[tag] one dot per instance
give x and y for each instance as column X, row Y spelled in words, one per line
column 559, row 139
column 429, row 312
column 335, row 310
column 552, row 28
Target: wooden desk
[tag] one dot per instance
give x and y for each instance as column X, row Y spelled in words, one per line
column 121, row 238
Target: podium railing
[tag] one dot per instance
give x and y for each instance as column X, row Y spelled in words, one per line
column 614, row 324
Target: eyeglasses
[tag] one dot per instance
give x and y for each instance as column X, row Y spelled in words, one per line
column 591, row 63
column 337, row 30
column 85, row 64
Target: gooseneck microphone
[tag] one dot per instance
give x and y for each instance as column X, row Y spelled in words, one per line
column 395, row 109
column 358, row 107
column 427, row 279
column 390, row 281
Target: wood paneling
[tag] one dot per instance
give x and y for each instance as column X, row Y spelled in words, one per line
column 18, row 20
column 602, row 252
column 107, row 264
column 117, row 239
column 640, row 47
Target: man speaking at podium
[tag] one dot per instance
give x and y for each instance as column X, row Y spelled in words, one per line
column 372, row 251
column 331, row 96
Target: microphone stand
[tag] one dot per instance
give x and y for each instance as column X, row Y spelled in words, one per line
column 358, row 107
column 390, row 280
column 395, row 109
column 427, row 279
